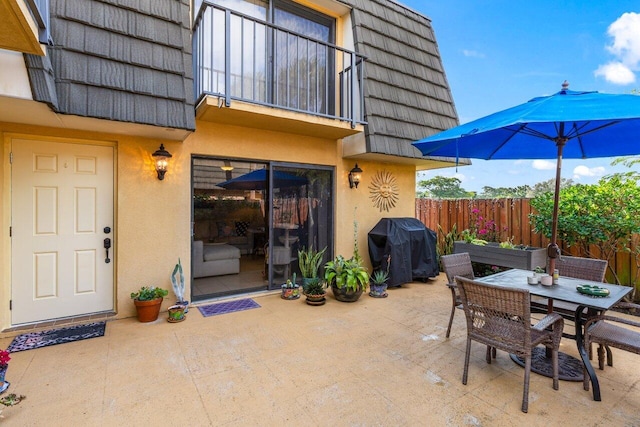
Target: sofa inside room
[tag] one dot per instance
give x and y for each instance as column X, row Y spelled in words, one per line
column 214, row 259
column 232, row 222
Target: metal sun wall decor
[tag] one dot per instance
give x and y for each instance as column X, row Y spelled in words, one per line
column 384, row 191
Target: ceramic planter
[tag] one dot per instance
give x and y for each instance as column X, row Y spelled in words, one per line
column 148, row 311
column 185, row 304
column 176, row 313
column 3, row 384
column 493, row 254
column 344, row 295
column 378, row 291
column 290, row 293
column 316, row 299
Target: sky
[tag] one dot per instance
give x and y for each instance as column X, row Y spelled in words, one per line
column 498, row 54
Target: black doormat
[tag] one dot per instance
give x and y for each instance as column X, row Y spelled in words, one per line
column 33, row 340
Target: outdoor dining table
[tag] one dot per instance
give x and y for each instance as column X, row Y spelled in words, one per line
column 566, row 291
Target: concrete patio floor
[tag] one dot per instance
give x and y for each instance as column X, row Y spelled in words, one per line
column 376, row 362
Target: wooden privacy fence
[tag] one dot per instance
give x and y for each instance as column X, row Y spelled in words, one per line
column 511, row 218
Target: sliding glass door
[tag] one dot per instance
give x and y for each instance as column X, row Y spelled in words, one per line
column 300, row 216
column 250, row 218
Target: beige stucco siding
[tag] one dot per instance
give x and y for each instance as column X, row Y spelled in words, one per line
column 153, row 218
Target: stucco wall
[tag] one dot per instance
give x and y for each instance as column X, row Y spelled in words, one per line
column 356, row 204
column 152, row 217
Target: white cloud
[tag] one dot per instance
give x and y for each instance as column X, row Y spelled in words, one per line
column 616, row 73
column 584, row 171
column 625, row 47
column 626, row 38
column 472, row 53
column 543, row 165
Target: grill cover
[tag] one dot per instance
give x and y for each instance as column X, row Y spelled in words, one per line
column 412, row 247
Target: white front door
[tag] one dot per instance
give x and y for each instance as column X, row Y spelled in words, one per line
column 61, row 204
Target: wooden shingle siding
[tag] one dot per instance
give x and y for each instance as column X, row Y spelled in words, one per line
column 122, row 60
column 407, row 95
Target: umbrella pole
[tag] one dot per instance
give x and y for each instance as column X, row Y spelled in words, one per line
column 553, row 251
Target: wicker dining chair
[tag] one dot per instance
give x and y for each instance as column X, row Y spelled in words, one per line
column 579, row 268
column 604, row 329
column 456, row 265
column 582, row 268
column 501, row 318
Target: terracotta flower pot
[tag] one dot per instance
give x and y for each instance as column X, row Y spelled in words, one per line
column 148, row 311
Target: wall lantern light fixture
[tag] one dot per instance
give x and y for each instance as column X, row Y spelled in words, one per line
column 226, row 166
column 161, row 158
column 354, row 176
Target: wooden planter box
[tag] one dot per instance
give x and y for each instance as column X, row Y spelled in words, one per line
column 493, row 254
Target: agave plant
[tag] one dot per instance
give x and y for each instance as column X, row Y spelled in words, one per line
column 379, row 277
column 315, row 288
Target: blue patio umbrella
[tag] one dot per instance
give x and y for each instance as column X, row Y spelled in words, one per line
column 257, row 180
column 570, row 124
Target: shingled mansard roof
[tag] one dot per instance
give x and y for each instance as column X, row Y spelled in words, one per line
column 130, row 61
column 122, row 60
column 407, row 95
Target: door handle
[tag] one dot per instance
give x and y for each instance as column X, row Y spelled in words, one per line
column 107, row 245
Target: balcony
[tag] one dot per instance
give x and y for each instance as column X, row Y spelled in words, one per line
column 24, row 25
column 270, row 77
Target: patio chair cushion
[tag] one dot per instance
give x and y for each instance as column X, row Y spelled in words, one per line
column 606, row 329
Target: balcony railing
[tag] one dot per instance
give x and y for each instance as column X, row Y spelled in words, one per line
column 237, row 57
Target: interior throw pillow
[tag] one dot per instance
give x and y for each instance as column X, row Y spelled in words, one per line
column 223, row 229
column 241, row 228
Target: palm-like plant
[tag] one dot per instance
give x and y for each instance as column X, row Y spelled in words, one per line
column 346, row 273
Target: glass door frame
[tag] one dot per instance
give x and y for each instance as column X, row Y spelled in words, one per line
column 272, row 166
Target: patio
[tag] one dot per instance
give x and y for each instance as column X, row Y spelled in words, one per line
column 375, row 362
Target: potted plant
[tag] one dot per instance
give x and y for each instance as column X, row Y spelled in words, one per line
column 4, row 365
column 347, row 278
column 378, row 286
column 177, row 311
column 290, row 289
column 148, row 301
column 309, row 261
column 315, row 292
